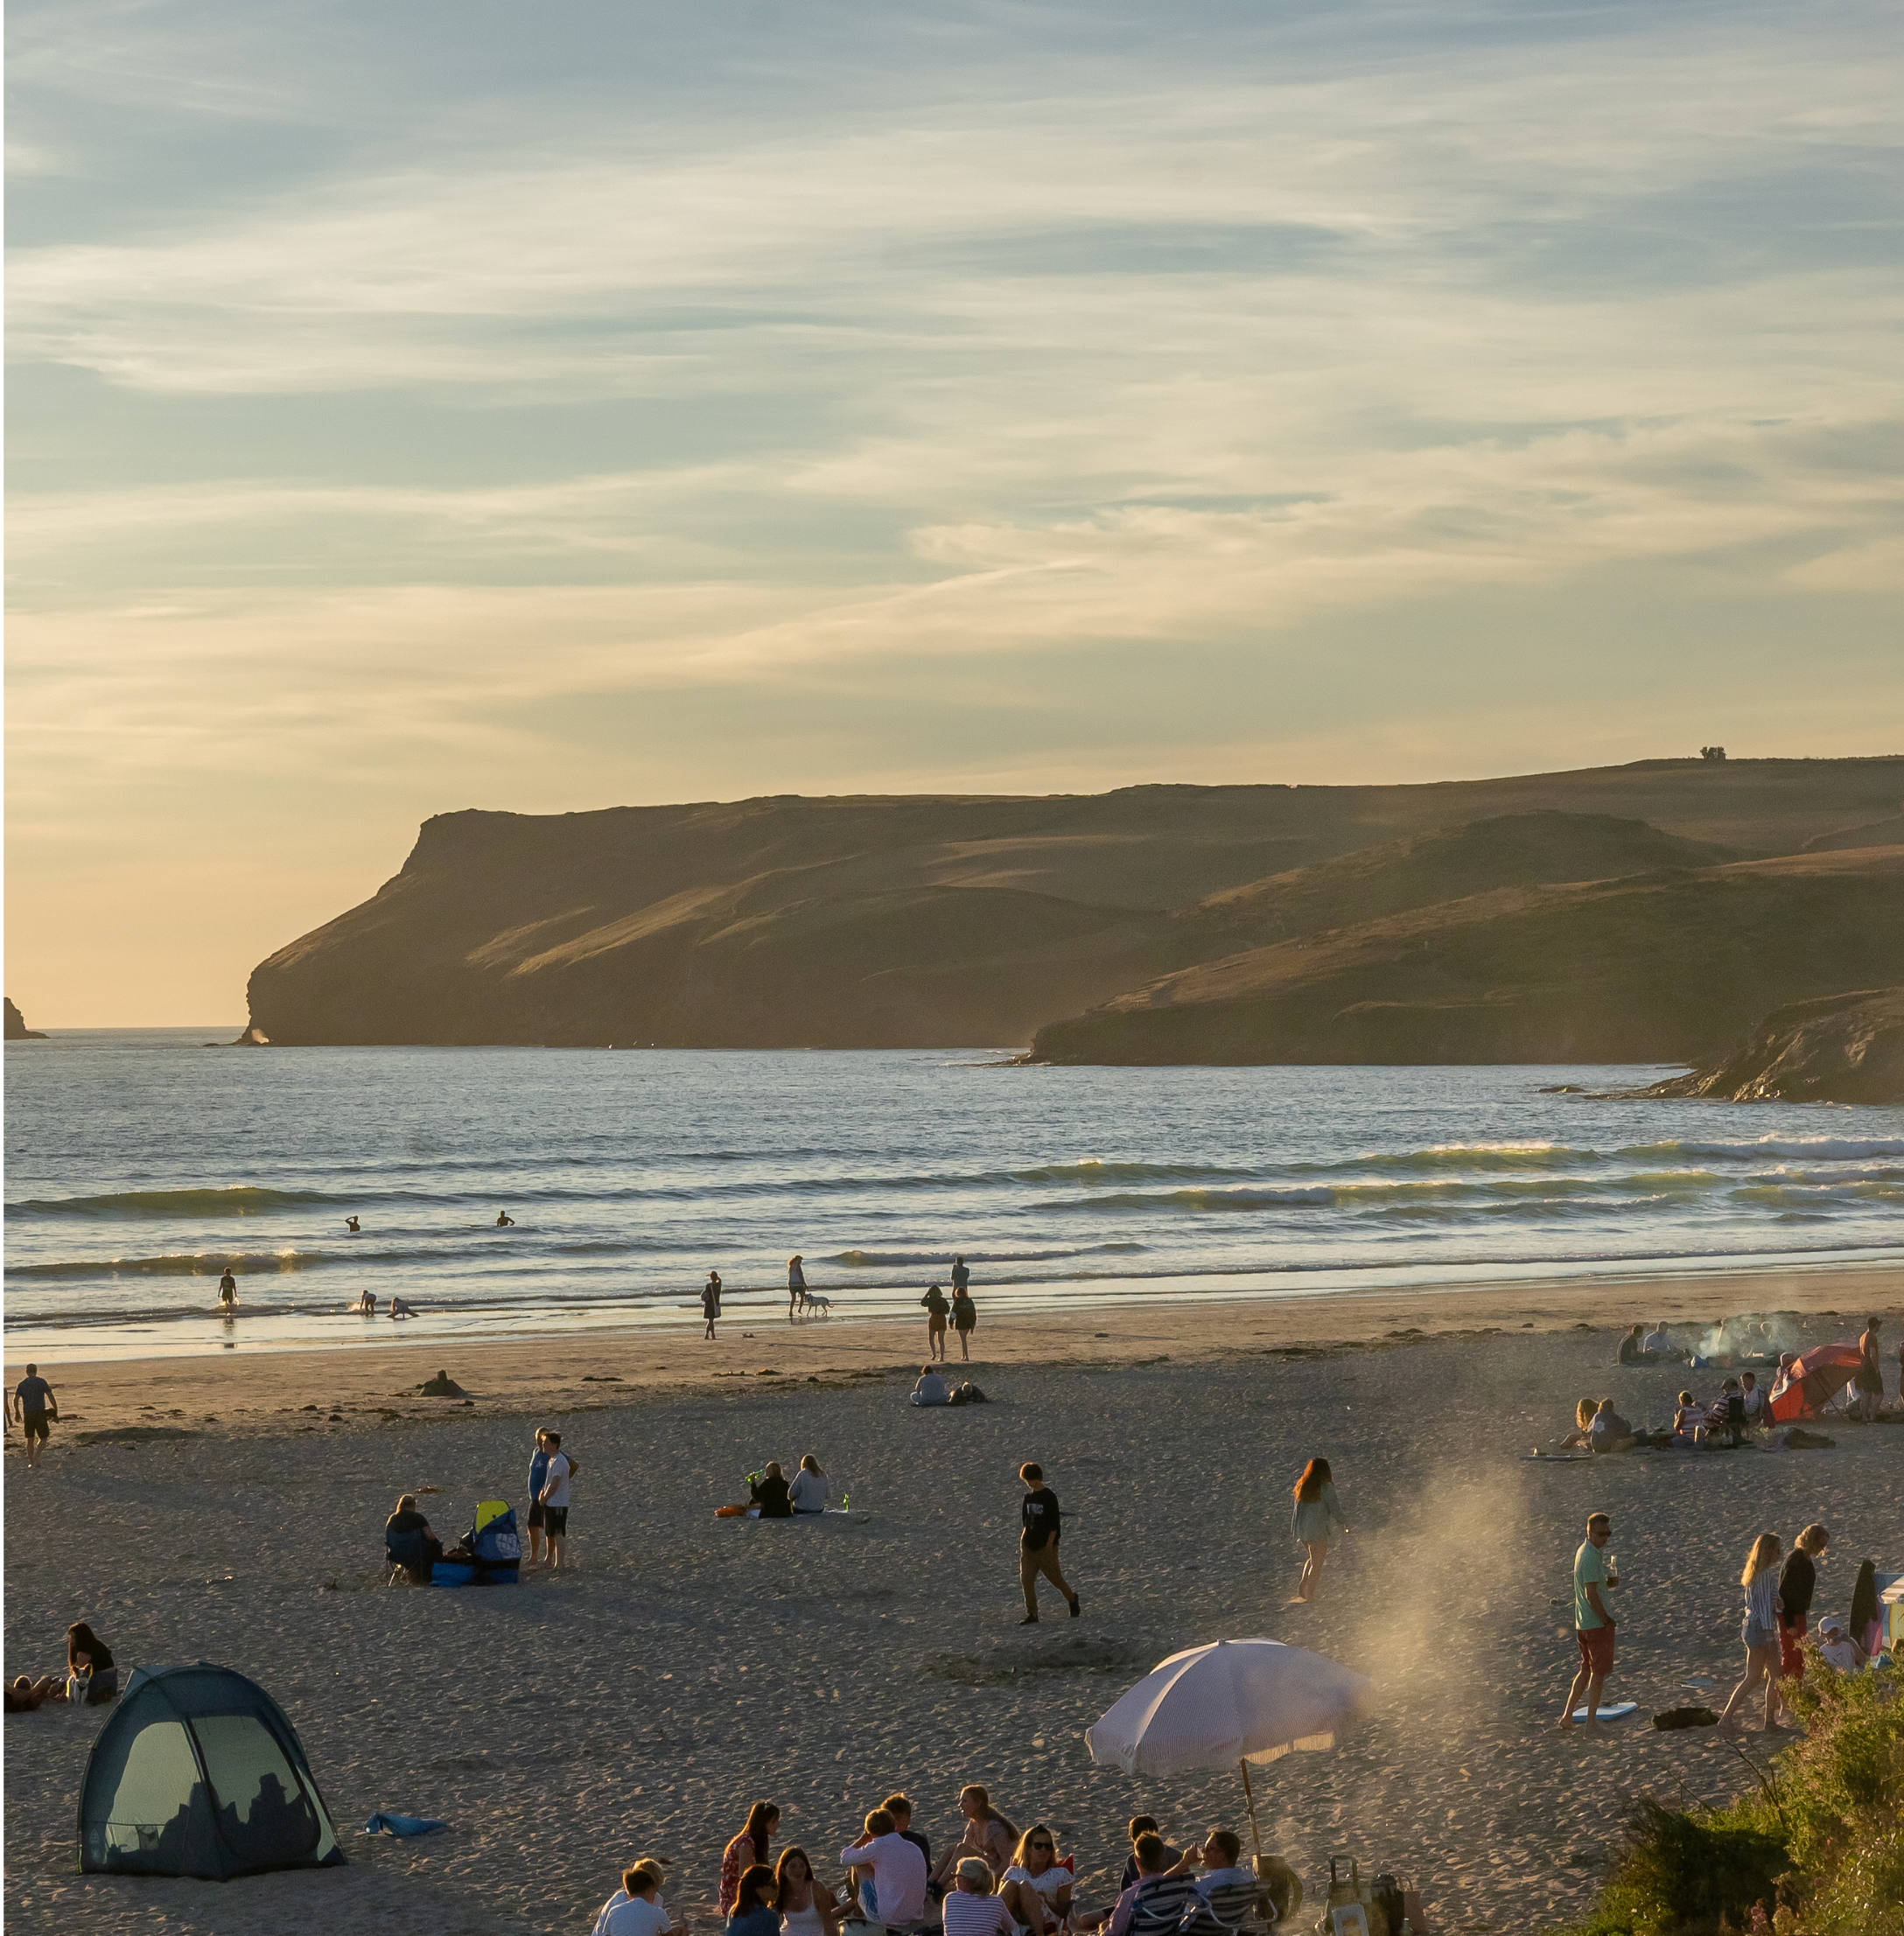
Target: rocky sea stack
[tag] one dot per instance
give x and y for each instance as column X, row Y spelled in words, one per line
column 1841, row 1048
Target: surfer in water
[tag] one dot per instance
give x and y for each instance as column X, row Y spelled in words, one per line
column 504, row 1220
column 228, row 1292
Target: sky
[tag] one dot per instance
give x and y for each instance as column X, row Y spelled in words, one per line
column 428, row 406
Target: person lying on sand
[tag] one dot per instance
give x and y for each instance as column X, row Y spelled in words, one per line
column 25, row 1694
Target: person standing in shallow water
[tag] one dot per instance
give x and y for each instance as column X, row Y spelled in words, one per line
column 1316, row 1521
column 711, row 1301
column 228, row 1292
column 796, row 1284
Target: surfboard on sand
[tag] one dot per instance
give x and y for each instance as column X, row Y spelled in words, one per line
column 1617, row 1710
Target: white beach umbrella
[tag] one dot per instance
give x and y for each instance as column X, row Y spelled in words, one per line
column 1231, row 1702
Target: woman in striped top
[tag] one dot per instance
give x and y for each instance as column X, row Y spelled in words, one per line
column 1760, row 1632
column 971, row 1909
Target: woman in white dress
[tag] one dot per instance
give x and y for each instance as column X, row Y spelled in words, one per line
column 1037, row 1887
column 806, row 1903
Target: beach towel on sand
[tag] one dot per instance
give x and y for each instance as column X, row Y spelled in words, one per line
column 384, row 1823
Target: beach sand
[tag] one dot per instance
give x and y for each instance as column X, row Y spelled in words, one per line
column 688, row 1664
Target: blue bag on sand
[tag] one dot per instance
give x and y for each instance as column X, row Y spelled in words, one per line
column 451, row 1573
column 387, row 1824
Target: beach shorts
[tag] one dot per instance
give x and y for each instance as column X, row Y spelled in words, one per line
column 537, row 1512
column 556, row 1521
column 1791, row 1647
column 35, row 1424
column 1755, row 1636
column 1596, row 1648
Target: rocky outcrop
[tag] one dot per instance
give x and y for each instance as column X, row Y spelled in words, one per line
column 1840, row 1048
column 1661, row 968
column 17, row 1030
column 928, row 921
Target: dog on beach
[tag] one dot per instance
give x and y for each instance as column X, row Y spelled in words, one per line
column 814, row 1301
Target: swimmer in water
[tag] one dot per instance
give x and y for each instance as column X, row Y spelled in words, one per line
column 353, row 1226
column 504, row 1220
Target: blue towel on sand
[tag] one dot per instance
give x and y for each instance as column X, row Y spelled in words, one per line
column 388, row 1824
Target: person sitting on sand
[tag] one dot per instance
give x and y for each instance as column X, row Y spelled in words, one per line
column 1753, row 1398
column 1155, row 1904
column 930, row 1389
column 806, row 1904
column 1725, row 1415
column 1658, row 1343
column 1836, row 1649
column 1633, row 1346
column 893, row 1891
column 1608, row 1432
column 746, row 1850
column 24, row 1693
column 1689, row 1422
column 1141, row 1826
column 1036, row 1886
column 808, row 1491
column 988, row 1835
column 410, row 1540
column 636, row 1909
column 89, row 1660
column 1583, row 1421
column 504, row 1220
column 753, row 1911
column 772, row 1493
column 971, row 1909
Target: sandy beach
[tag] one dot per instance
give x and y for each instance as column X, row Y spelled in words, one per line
column 230, row 1508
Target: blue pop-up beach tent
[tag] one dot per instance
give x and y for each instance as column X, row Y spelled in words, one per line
column 197, row 1773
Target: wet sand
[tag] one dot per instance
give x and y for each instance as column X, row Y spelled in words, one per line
column 687, row 1663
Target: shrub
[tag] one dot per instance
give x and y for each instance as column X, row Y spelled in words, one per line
column 1824, row 1839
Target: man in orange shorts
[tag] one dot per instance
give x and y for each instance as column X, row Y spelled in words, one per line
column 1592, row 1624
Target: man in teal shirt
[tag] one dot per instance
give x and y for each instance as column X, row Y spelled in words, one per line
column 1592, row 1624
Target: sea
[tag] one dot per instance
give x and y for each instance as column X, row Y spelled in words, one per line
column 140, row 1164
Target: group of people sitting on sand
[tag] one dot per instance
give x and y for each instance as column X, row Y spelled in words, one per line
column 1734, row 1342
column 91, row 1679
column 932, row 1389
column 1723, row 1420
column 780, row 1497
column 995, row 1880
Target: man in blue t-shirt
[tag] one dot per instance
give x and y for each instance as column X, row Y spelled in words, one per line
column 33, row 1405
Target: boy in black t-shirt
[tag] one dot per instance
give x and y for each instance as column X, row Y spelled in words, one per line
column 1038, row 1542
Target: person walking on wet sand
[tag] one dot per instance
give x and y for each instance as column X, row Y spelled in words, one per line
column 33, row 1405
column 1592, row 1624
column 796, row 1284
column 1040, row 1523
column 964, row 1318
column 1316, row 1521
column 711, row 1301
column 936, row 1310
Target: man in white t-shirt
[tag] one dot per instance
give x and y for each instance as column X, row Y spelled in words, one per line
column 636, row 1908
column 554, row 1497
column 1748, row 1390
column 896, row 1893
